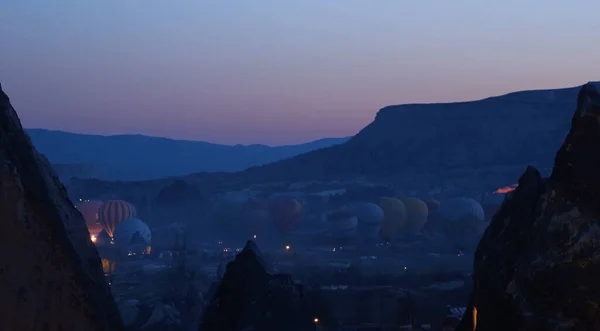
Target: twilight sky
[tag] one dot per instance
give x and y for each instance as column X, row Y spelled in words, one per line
column 278, row 71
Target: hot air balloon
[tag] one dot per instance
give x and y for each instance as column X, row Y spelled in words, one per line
column 341, row 224
column 416, row 215
column 132, row 231
column 459, row 215
column 457, row 208
column 285, row 213
column 108, row 266
column 394, row 217
column 370, row 216
column 113, row 212
column 89, row 210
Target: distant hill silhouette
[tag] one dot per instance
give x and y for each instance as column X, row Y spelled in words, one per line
column 450, row 139
column 138, row 157
column 462, row 147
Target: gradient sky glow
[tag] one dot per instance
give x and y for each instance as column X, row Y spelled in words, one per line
column 278, row 71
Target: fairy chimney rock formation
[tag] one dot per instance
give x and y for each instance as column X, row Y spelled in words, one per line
column 50, row 273
column 538, row 264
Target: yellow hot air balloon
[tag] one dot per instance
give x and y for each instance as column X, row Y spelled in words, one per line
column 416, row 215
column 394, row 220
column 114, row 212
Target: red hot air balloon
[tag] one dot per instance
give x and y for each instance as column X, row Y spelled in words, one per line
column 285, row 213
column 114, row 212
column 89, row 210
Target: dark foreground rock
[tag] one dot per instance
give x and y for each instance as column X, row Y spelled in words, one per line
column 248, row 297
column 538, row 264
column 50, row 273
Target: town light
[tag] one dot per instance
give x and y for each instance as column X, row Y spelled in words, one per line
column 93, row 238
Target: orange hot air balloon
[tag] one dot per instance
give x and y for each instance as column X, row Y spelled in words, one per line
column 504, row 190
column 285, row 213
column 89, row 210
column 114, row 212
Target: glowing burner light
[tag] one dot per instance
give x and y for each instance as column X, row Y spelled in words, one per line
column 93, row 238
column 287, row 247
column 507, row 189
column 316, row 320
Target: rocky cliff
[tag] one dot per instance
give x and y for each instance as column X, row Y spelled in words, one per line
column 50, row 273
column 496, row 132
column 248, row 297
column 538, row 263
column 471, row 146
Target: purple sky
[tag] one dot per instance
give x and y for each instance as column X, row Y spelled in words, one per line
column 278, row 71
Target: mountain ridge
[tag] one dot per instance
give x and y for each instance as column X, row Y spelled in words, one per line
column 139, row 135
column 460, row 147
column 140, row 157
column 510, row 130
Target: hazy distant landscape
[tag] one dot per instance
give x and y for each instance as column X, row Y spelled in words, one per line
column 501, row 134
column 299, row 166
column 138, row 157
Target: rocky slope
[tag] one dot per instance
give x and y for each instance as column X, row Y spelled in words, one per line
column 504, row 131
column 50, row 273
column 248, row 297
column 538, row 264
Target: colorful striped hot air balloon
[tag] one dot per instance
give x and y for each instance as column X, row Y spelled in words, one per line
column 89, row 210
column 114, row 212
